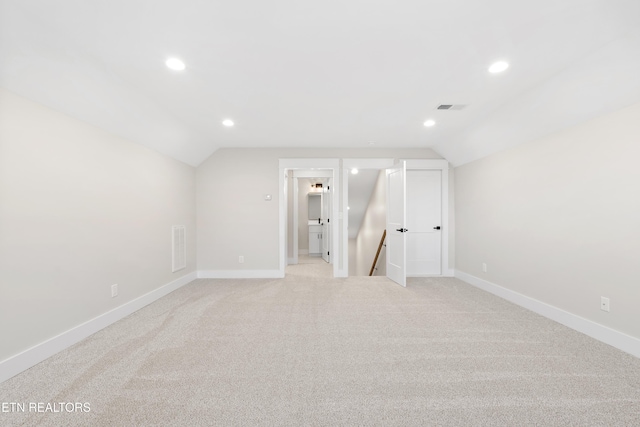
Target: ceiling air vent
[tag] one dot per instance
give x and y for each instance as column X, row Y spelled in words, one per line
column 451, row 106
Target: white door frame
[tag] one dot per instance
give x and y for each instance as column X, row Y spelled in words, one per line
column 412, row 164
column 326, row 223
column 443, row 166
column 333, row 165
column 340, row 236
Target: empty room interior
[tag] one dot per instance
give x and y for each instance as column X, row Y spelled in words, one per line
column 329, row 213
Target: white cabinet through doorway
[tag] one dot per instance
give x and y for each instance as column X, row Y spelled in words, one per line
column 315, row 239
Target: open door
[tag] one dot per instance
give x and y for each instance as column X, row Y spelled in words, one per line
column 326, row 221
column 396, row 220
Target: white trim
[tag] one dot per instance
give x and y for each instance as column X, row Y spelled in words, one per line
column 240, row 274
column 344, row 220
column 425, row 275
column 284, row 165
column 338, row 251
column 590, row 328
column 296, row 242
column 448, row 273
column 282, row 216
column 337, row 214
column 308, row 164
column 312, row 174
column 36, row 354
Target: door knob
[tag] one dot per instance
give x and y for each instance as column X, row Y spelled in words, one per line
column 402, row 230
column 436, row 228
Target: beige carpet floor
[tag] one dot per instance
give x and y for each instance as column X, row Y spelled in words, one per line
column 309, row 350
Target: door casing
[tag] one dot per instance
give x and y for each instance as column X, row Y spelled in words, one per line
column 340, row 172
column 412, row 164
column 286, row 169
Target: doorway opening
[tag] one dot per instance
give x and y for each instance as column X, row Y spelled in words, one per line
column 325, row 227
column 367, row 215
column 412, row 216
column 310, row 223
column 365, row 198
column 339, row 171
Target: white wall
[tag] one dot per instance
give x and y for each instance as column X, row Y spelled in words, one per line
column 558, row 219
column 234, row 219
column 373, row 225
column 80, row 210
column 353, row 263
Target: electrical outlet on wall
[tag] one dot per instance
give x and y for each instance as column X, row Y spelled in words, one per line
column 114, row 291
column 604, row 304
column 241, row 259
column 484, row 267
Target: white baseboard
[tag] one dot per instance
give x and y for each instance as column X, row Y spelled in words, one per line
column 595, row 330
column 240, row 274
column 291, row 261
column 36, row 354
column 446, row 273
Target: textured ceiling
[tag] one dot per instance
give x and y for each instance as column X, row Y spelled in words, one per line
column 324, row 74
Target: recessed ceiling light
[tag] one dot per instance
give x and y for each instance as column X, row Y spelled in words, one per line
column 175, row 64
column 498, row 67
column 228, row 123
column 354, row 171
column 430, row 123
column 348, row 208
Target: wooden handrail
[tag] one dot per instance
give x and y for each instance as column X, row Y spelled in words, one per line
column 375, row 260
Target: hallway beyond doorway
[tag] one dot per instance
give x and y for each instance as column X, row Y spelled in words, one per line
column 310, row 267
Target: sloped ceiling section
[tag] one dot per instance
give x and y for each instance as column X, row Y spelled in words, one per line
column 324, row 74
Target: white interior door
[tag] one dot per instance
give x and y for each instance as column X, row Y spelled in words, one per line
column 424, row 219
column 396, row 220
column 326, row 221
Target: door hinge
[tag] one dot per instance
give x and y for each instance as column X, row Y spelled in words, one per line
column 328, row 220
column 328, row 253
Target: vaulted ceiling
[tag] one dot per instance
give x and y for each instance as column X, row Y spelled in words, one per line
column 331, row 73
